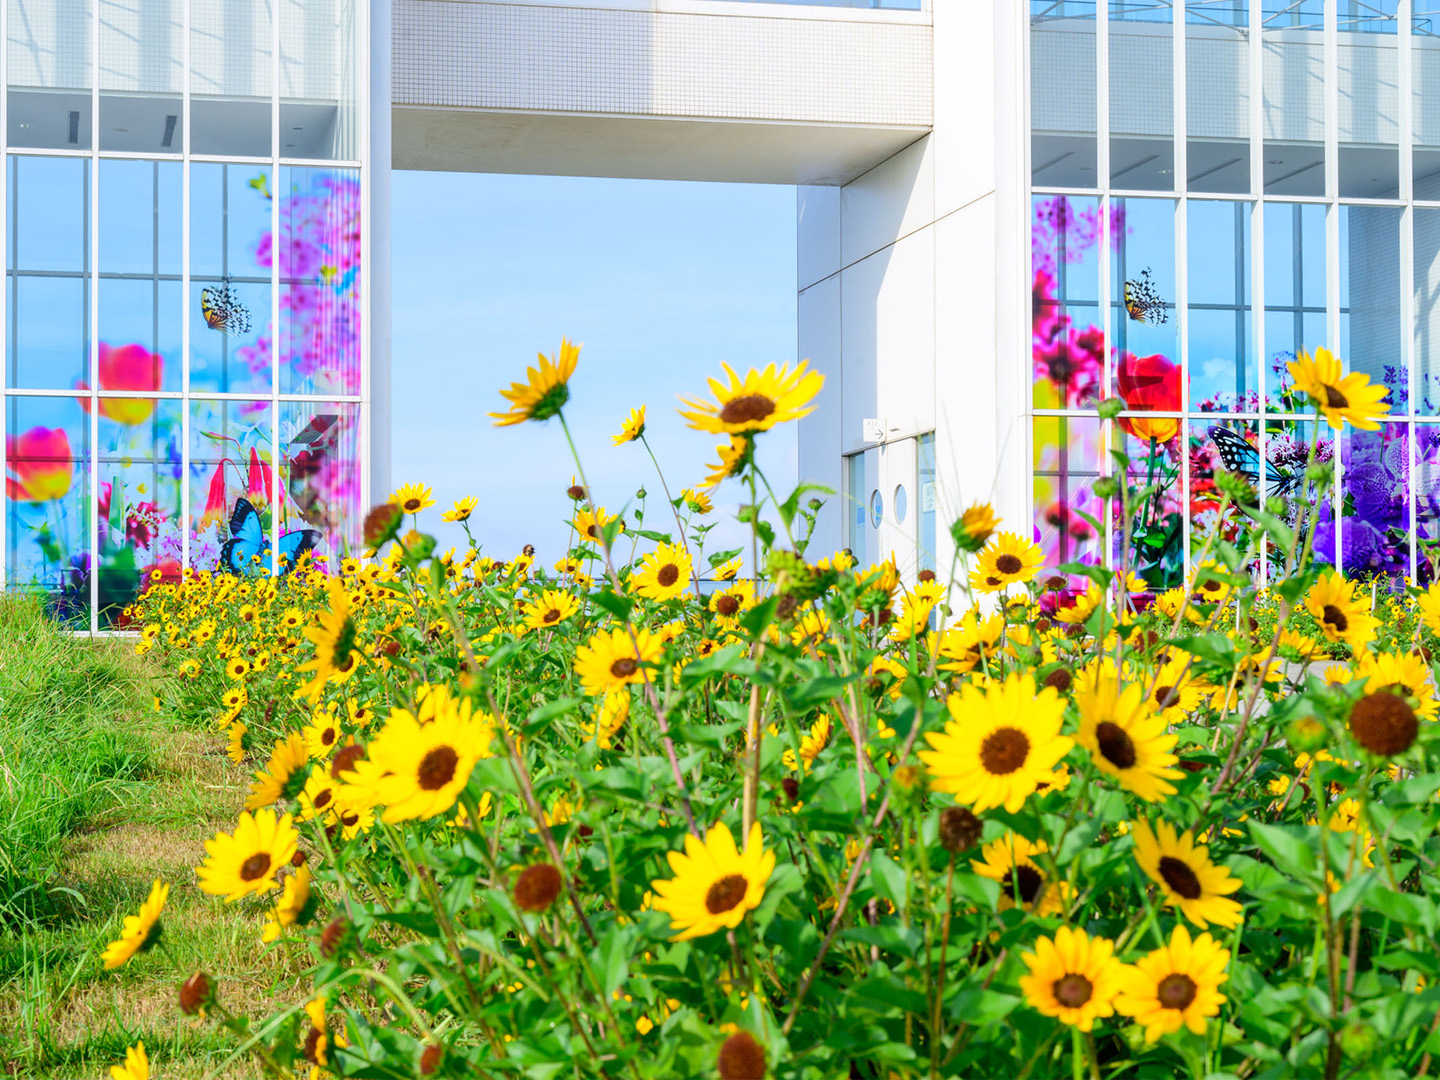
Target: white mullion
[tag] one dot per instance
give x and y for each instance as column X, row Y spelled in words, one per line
column 1180, row 156
column 4, row 292
column 1404, row 60
column 364, row 151
column 1332, row 101
column 1332, row 250
column 93, row 235
column 1102, row 180
column 1262, row 363
column 1025, row 369
column 277, row 257
column 1181, row 175
column 185, row 106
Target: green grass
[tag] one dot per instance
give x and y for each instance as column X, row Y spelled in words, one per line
column 102, row 793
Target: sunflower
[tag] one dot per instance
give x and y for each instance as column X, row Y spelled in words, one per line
column 1405, row 675
column 1006, row 560
column 246, row 861
column 727, row 570
column 714, row 884
column 136, row 1067
column 428, row 765
column 590, row 526
column 974, row 527
column 999, row 744
column 463, row 509
column 611, row 659
column 234, row 699
column 756, row 403
column 235, row 751
column 1077, row 609
column 139, row 932
column 632, row 428
column 610, row 717
column 322, row 734
column 292, row 906
column 1176, row 985
column 697, row 502
column 281, row 778
column 730, row 603
column 550, row 608
column 1185, row 874
column 1174, row 691
column 664, row 573
column 334, row 640
column 237, row 667
column 1073, row 977
column 545, row 390
column 1125, row 739
column 412, row 498
column 965, row 644
column 915, row 608
column 1352, row 397
column 1009, row 861
column 318, row 796
column 733, row 459
column 317, row 1041
column 811, row 745
column 1342, row 610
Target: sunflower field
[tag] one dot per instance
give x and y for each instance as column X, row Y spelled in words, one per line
column 635, row 815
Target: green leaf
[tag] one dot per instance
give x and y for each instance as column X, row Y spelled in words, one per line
column 1097, row 574
column 785, row 881
column 1286, row 847
column 545, row 713
column 792, row 503
column 760, row 616
column 887, row 878
column 816, row 691
column 613, row 602
column 657, row 537
column 1407, row 909
column 1214, row 647
column 615, row 952
column 717, row 558
column 983, row 892
column 420, row 920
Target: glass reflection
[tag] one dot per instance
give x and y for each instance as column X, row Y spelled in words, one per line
column 1067, row 342
column 49, row 72
column 231, row 77
column 1217, row 95
column 1142, row 122
column 1065, row 466
column 1370, row 330
column 1062, row 93
column 1426, row 292
column 1425, row 96
column 1294, row 294
column 1142, row 290
column 1292, row 46
column 47, row 484
column 1223, row 374
column 230, row 458
column 1375, row 527
column 320, row 474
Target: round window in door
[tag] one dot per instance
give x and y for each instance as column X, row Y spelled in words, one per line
column 877, row 508
column 901, row 504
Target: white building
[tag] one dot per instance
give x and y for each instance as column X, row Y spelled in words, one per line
column 977, row 181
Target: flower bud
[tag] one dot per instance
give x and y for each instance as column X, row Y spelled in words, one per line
column 959, row 829
column 537, row 887
column 381, row 523
column 196, row 992
column 1110, row 408
column 741, row 1058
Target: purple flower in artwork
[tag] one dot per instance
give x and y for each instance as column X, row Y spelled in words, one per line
column 1367, row 552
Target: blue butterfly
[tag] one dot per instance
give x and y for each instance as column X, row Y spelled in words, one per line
column 248, row 539
column 1240, row 457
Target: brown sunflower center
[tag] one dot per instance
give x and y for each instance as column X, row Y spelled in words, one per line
column 411, row 506
column 993, row 582
column 1178, row 875
column 1024, row 881
column 1115, row 744
column 725, row 893
column 1004, row 750
column 553, row 615
column 1073, row 990
column 747, row 410
column 592, row 532
column 1165, row 696
column 1060, row 679
column 327, row 736
column 727, row 605
column 1335, row 619
column 1334, row 399
column 437, row 768
column 1384, row 723
column 624, row 667
column 321, row 800
column 668, row 575
column 1009, row 564
column 1176, row 991
column 255, row 867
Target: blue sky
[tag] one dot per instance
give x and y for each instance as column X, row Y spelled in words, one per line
column 661, row 281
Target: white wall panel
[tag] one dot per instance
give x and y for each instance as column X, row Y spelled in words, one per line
column 819, row 341
column 817, row 233
column 893, row 199
column 963, row 142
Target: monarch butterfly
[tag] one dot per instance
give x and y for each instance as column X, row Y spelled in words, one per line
column 1240, row 457
column 1143, row 303
column 222, row 311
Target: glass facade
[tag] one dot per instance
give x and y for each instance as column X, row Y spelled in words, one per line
column 184, row 295
column 1283, row 197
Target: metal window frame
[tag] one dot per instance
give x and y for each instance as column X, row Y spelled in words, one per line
column 357, row 46
column 1256, row 202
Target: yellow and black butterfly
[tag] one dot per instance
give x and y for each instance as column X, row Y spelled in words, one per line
column 222, row 310
column 1143, row 303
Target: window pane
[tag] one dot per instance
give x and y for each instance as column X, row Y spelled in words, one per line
column 230, row 255
column 1369, row 81
column 49, row 73
column 141, row 56
column 1287, row 451
column 1214, row 447
column 1142, row 290
column 1376, row 526
column 320, row 281
column 1293, row 55
column 1062, row 93
column 1427, row 498
column 320, row 475
column 1157, row 540
column 1142, row 112
column 929, row 498
column 855, row 490
column 140, row 288
column 319, row 79
column 138, row 499
column 230, row 459
column 1222, row 361
column 1427, row 309
column 1065, row 466
column 47, row 480
column 1217, row 95
column 1370, row 298
column 1294, row 292
column 231, row 77
column 1425, row 96
column 1068, row 344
